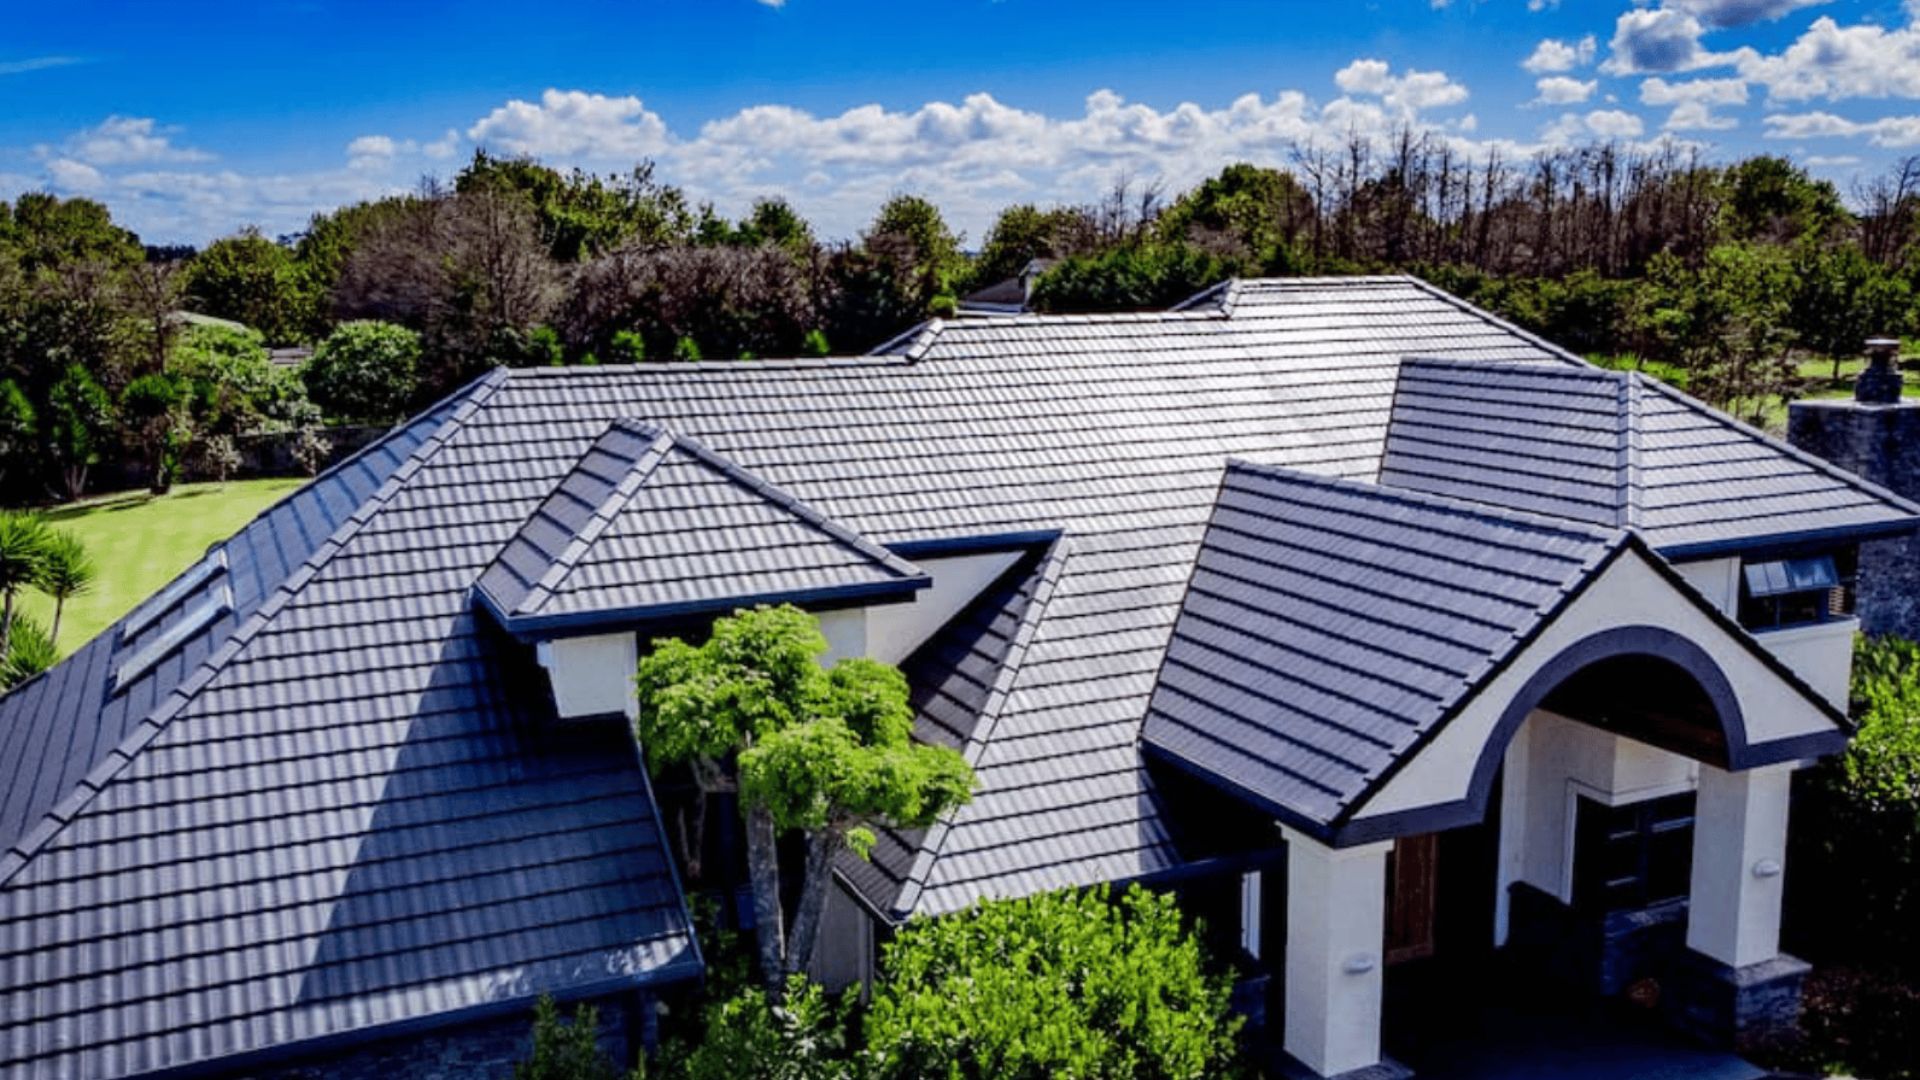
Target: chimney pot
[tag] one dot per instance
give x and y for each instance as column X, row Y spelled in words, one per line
column 1880, row 383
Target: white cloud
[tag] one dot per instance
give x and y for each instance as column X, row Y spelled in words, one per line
column 1561, row 90
column 1697, row 116
column 380, row 151
column 1658, row 91
column 573, row 124
column 1731, row 13
column 35, row 63
column 124, row 140
column 1893, row 132
column 1405, row 94
column 71, row 175
column 1831, row 161
column 1599, row 123
column 1837, row 62
column 1553, row 55
column 1554, row 5
column 1658, row 40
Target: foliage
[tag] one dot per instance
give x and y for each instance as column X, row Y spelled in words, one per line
column 627, row 347
column 155, row 408
column 1882, row 763
column 310, row 450
column 750, row 1036
column 219, row 457
column 822, row 752
column 1022, row 233
column 80, row 420
column 365, row 372
column 23, row 555
column 1062, row 984
column 232, row 386
column 30, row 651
column 1253, row 214
column 686, row 349
column 815, row 344
column 253, row 281
column 19, row 424
column 577, row 214
column 568, row 1050
column 1840, row 297
column 66, row 571
column 1726, row 322
column 1134, row 278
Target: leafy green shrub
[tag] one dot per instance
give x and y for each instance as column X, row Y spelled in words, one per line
column 629, row 347
column 1064, row 984
column 79, row 423
column 815, row 344
column 1141, row 277
column 686, row 349
column 30, row 652
column 568, row 1050
column 155, row 408
column 365, row 372
column 748, row 1037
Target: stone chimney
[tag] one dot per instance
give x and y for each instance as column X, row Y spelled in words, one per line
column 1877, row 437
column 1879, row 384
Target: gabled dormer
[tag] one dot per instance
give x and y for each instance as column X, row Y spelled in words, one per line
column 650, row 529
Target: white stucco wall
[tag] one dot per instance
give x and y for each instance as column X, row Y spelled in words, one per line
column 1717, row 579
column 895, row 630
column 592, row 675
column 1629, row 593
column 1820, row 653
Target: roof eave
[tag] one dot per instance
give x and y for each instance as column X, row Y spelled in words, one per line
column 1767, row 543
column 574, row 623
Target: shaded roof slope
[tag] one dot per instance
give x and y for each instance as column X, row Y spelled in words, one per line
column 1330, row 625
column 1615, row 448
column 56, row 728
column 348, row 814
column 649, row 524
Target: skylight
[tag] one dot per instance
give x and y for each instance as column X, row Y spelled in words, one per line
column 191, row 623
column 163, row 601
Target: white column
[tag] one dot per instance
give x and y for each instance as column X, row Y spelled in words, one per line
column 1739, row 853
column 1336, row 928
column 1250, row 913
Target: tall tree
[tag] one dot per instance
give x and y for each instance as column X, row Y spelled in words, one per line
column 66, row 571
column 751, row 709
column 23, row 554
column 251, row 280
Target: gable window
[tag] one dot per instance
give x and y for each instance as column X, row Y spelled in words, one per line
column 1632, row 857
column 1777, row 593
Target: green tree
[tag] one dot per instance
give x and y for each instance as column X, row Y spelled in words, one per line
column 751, row 709
column 1021, row 234
column 365, row 372
column 30, row 652
column 567, row 1050
column 1773, row 200
column 23, row 553
column 750, row 1036
column 773, row 222
column 918, row 255
column 252, row 280
column 233, row 387
column 579, row 214
column 1840, row 297
column 19, row 426
column 66, row 571
column 1249, row 212
column 1137, row 277
column 155, row 408
column 80, row 420
column 1061, row 984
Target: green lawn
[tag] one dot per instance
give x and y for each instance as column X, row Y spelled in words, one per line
column 1817, row 375
column 139, row 542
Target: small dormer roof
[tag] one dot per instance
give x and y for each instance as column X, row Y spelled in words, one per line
column 650, row 525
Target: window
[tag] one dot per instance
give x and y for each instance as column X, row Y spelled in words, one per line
column 1776, row 593
column 1628, row 858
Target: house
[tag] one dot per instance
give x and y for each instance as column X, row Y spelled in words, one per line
column 1012, row 296
column 1383, row 631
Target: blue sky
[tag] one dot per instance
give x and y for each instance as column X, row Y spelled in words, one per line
column 191, row 123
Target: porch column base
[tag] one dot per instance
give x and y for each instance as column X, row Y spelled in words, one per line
column 1287, row 1067
column 1742, row 1008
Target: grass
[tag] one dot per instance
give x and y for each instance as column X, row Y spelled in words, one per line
column 139, row 542
column 1816, row 375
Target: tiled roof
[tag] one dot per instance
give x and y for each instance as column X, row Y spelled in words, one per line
column 346, row 813
column 1330, row 625
column 648, row 524
column 310, row 774
column 1614, row 448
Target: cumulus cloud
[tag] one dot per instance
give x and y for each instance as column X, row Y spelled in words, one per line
column 1561, row 90
column 73, row 175
column 1599, row 123
column 381, row 151
column 1720, row 14
column 1693, row 102
column 1660, row 40
column 573, row 124
column 1405, row 94
column 124, row 140
column 1893, row 132
column 1837, row 62
column 1554, row 55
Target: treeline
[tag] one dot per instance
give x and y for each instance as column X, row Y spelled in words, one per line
column 1725, row 277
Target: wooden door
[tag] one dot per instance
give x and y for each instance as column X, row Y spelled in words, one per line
column 1412, row 879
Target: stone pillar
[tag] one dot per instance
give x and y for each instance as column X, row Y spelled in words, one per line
column 1876, row 436
column 1734, row 986
column 1336, row 929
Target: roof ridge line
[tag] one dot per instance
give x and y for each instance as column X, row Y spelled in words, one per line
column 601, row 519
column 1494, row 320
column 1629, row 451
column 805, row 511
column 162, row 716
column 1050, row 567
column 1820, row 464
column 1396, row 493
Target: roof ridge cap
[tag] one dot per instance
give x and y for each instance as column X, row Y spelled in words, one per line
column 601, row 519
column 1050, row 568
column 164, row 714
column 1629, row 452
column 1494, row 320
column 1405, row 495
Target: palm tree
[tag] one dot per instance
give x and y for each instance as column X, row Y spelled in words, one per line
column 66, row 572
column 31, row 652
column 23, row 550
